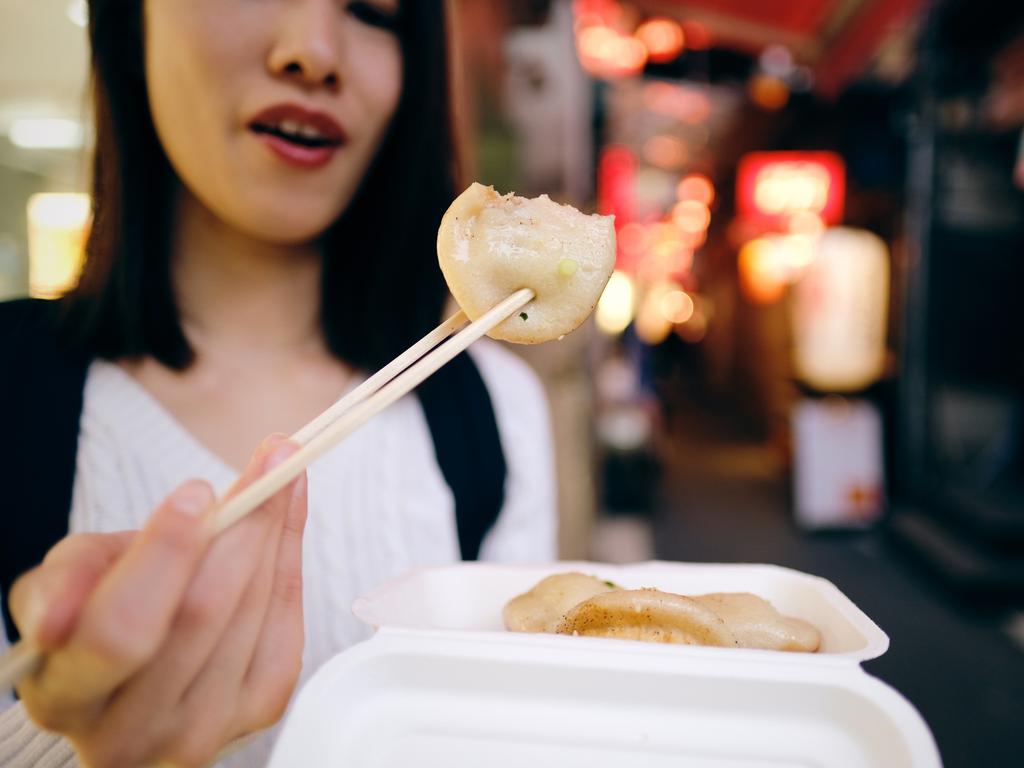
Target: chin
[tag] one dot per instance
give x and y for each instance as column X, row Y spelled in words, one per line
column 288, row 232
column 284, row 225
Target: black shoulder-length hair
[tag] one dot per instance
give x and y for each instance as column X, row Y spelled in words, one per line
column 381, row 285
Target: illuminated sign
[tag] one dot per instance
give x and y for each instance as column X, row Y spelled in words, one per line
column 773, row 187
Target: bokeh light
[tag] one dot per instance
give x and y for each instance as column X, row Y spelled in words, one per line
column 768, row 92
column 691, row 216
column 58, row 225
column 665, row 151
column 686, row 103
column 763, row 271
column 806, row 223
column 605, row 52
column 677, row 306
column 697, row 187
column 616, row 306
column 662, row 37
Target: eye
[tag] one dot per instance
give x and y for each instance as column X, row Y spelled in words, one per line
column 374, row 15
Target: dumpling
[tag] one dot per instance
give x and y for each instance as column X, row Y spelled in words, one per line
column 489, row 246
column 757, row 624
column 648, row 614
column 577, row 604
column 543, row 607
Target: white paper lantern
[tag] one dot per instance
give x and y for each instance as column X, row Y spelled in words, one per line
column 840, row 309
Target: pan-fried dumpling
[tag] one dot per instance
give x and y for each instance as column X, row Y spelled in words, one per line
column 543, row 607
column 489, row 246
column 757, row 624
column 648, row 614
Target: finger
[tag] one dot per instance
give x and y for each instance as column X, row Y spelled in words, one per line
column 219, row 686
column 47, row 601
column 123, row 617
column 223, row 577
column 225, row 669
column 127, row 615
column 263, row 460
column 141, row 643
column 277, row 659
column 206, row 612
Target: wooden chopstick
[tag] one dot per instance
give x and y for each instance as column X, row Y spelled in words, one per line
column 250, row 497
column 20, row 661
column 323, row 433
column 381, row 377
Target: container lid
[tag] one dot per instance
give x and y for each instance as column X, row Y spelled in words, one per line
column 420, row 698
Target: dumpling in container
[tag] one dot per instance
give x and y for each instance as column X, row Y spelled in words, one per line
column 757, row 624
column 577, row 604
column 648, row 614
column 543, row 607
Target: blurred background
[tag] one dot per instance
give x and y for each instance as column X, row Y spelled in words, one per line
column 812, row 350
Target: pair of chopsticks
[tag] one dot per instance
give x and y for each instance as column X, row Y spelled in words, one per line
column 390, row 383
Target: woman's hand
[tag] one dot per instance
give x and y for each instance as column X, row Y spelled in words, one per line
column 163, row 647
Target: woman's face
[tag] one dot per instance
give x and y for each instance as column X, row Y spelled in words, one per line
column 271, row 111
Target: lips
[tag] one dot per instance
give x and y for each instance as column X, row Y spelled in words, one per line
column 299, row 136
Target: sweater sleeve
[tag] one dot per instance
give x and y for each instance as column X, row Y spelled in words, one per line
column 526, row 529
column 23, row 745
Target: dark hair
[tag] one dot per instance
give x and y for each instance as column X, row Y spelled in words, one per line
column 381, row 285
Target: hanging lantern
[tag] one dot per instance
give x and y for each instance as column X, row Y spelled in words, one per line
column 840, row 310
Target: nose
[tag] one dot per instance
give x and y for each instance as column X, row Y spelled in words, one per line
column 306, row 49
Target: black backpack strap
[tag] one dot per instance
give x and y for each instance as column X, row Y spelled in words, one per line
column 467, row 444
column 41, row 396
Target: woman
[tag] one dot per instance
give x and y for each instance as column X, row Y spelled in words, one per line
column 269, row 178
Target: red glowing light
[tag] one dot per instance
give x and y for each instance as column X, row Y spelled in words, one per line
column 772, row 187
column 595, row 12
column 698, row 37
column 616, row 182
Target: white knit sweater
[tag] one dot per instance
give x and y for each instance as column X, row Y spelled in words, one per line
column 378, row 506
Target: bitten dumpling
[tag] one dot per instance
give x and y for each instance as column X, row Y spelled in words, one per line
column 490, row 246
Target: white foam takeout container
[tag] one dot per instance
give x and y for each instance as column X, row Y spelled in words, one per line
column 442, row 685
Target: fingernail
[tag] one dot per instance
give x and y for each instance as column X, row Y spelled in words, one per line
column 300, row 487
column 192, row 499
column 35, row 612
column 279, row 455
